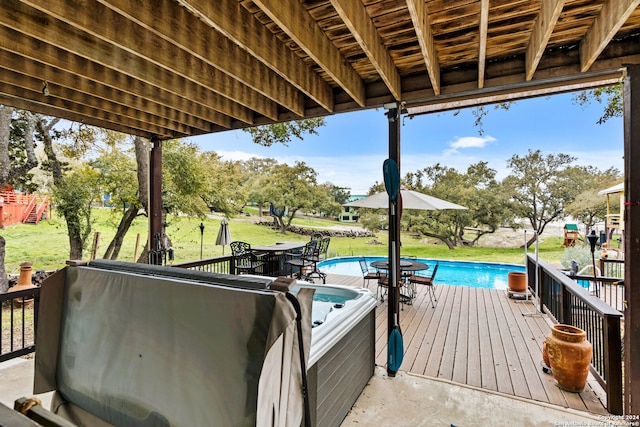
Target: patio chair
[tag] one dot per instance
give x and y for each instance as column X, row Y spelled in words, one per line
column 367, row 274
column 324, row 247
column 245, row 260
column 428, row 282
column 300, row 263
column 319, row 254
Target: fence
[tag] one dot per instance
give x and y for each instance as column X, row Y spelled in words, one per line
column 19, row 319
column 569, row 303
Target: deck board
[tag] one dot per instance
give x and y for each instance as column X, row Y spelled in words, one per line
column 477, row 337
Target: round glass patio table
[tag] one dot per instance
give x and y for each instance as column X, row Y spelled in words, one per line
column 405, row 267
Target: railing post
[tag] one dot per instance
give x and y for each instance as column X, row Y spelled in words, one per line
column 613, row 364
column 541, row 288
column 565, row 312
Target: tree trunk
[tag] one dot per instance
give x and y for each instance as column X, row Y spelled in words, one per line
column 443, row 239
column 281, row 224
column 76, row 243
column 5, row 131
column 142, row 159
column 113, row 250
column 4, row 280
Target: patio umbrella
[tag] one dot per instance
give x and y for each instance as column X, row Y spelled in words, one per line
column 224, row 235
column 410, row 200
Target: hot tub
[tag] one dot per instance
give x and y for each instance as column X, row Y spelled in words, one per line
column 150, row 345
column 342, row 353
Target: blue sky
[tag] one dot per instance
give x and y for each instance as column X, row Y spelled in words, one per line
column 352, row 146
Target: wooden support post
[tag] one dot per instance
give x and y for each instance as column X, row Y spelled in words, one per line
column 632, row 239
column 155, row 199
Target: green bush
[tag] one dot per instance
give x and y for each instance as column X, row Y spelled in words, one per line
column 580, row 254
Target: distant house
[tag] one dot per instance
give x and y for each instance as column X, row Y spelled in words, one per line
column 350, row 214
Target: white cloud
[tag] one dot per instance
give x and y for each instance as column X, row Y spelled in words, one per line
column 468, row 142
column 234, row 156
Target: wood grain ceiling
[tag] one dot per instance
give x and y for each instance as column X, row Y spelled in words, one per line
column 174, row 68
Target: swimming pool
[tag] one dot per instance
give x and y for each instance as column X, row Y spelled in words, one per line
column 457, row 273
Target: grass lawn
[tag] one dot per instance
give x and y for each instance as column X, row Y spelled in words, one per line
column 46, row 244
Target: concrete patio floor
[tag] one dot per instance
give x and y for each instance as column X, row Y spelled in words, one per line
column 406, row 400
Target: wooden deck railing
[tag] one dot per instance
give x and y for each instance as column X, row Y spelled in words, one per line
column 608, row 289
column 569, row 303
column 221, row 264
column 18, row 317
column 611, row 268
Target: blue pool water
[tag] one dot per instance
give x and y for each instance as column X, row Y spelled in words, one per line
column 456, row 273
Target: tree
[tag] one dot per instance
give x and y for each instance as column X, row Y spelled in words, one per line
column 541, row 187
column 17, row 160
column 125, row 179
column 282, row 133
column 336, row 197
column 477, row 188
column 611, row 96
column 290, row 189
column 590, row 207
column 75, row 196
column 256, row 172
column 224, row 190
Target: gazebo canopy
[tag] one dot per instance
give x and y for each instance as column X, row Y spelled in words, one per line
column 173, row 68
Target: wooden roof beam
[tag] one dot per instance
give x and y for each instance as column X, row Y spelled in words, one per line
column 42, row 108
column 613, row 15
column 142, row 49
column 238, row 24
column 178, row 26
column 543, row 27
column 420, row 19
column 117, row 100
column 482, row 51
column 361, row 26
column 29, row 22
column 294, row 20
column 57, row 58
column 101, row 118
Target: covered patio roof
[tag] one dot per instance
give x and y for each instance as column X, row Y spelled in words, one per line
column 174, row 68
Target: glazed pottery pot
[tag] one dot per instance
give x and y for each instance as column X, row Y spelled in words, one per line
column 517, row 281
column 569, row 355
column 545, row 355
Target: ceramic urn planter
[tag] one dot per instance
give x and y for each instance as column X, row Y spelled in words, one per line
column 24, row 282
column 569, row 355
column 517, row 281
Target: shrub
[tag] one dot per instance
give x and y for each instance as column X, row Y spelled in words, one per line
column 579, row 254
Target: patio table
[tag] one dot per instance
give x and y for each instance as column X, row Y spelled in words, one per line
column 274, row 256
column 405, row 266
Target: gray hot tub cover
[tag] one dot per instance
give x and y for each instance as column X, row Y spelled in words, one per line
column 151, row 350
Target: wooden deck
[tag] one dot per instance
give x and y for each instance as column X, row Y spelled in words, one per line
column 477, row 337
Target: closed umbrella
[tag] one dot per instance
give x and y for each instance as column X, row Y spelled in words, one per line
column 410, row 200
column 224, row 235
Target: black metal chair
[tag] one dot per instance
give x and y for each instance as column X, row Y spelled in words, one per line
column 428, row 282
column 368, row 275
column 245, row 260
column 324, row 247
column 319, row 254
column 299, row 264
